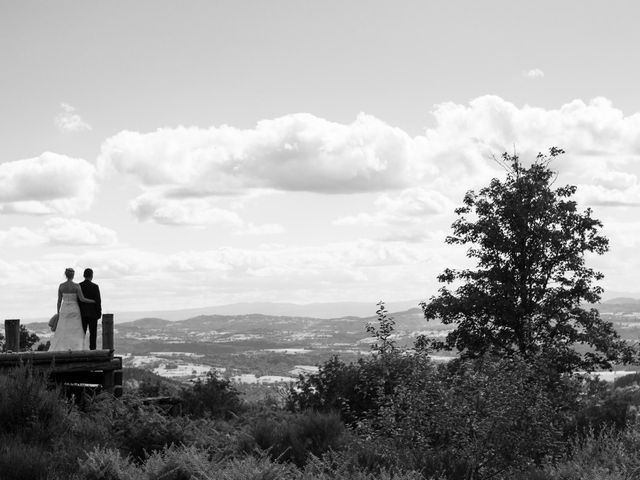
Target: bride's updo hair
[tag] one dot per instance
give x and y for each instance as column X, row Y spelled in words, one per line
column 69, row 273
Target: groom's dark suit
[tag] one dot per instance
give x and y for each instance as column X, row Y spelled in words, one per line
column 90, row 312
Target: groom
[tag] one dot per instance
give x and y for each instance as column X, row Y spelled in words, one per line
column 90, row 312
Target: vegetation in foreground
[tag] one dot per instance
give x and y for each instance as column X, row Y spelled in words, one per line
column 395, row 415
column 510, row 407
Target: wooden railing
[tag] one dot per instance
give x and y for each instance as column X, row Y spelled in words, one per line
column 97, row 368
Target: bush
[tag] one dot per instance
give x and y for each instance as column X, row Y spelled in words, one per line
column 256, row 468
column 178, row 463
column 29, row 410
column 346, row 465
column 474, row 418
column 465, row 418
column 632, row 379
column 355, row 390
column 215, row 397
column 294, row 437
column 605, row 406
column 148, row 384
column 20, row 461
column 138, row 429
column 106, row 464
column 609, row 454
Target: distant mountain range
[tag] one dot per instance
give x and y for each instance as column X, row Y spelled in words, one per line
column 327, row 311
column 622, row 301
column 411, row 319
column 330, row 310
column 313, row 310
column 217, row 334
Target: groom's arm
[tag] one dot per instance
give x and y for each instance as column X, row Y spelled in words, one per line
column 98, row 302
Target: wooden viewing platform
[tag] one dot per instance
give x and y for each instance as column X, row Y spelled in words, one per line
column 97, row 368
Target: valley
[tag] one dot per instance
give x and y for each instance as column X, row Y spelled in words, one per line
column 271, row 349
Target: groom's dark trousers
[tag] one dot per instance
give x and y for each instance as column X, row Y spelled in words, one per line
column 90, row 312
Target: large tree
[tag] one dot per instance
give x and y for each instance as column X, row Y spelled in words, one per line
column 527, row 293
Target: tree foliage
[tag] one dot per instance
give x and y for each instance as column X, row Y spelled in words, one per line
column 526, row 294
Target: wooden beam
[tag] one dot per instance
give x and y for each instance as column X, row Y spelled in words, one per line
column 35, row 358
column 110, row 366
column 92, row 378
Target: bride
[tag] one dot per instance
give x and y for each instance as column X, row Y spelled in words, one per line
column 69, row 334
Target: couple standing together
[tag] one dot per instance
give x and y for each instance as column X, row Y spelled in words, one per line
column 79, row 308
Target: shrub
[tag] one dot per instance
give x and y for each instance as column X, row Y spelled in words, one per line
column 256, row 468
column 178, row 463
column 294, row 437
column 472, row 418
column 29, row 410
column 355, row 390
column 627, row 380
column 20, row 461
column 344, row 465
column 148, row 431
column 604, row 406
column 215, row 397
column 106, row 464
column 140, row 429
column 609, row 454
column 148, row 384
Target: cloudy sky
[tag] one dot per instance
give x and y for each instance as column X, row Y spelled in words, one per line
column 209, row 152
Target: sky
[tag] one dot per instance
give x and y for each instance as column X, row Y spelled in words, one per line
column 212, row 152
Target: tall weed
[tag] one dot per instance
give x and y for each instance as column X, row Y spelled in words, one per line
column 29, row 409
column 21, row 461
column 107, row 464
column 178, row 463
column 256, row 468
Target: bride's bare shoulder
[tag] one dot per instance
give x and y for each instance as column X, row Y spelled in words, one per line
column 68, row 287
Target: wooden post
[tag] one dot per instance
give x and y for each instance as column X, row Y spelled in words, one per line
column 12, row 335
column 108, row 380
column 107, row 331
column 117, row 383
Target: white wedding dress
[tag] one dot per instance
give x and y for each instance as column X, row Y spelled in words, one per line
column 69, row 334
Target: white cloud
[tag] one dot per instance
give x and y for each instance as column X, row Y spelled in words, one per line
column 71, row 231
column 21, row 237
column 236, row 264
column 595, row 130
column 59, row 231
column 195, row 212
column 301, row 152
column 69, row 121
column 264, row 229
column 296, row 152
column 181, row 211
column 533, row 73
column 411, row 206
column 182, row 170
column 46, row 184
column 407, row 216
